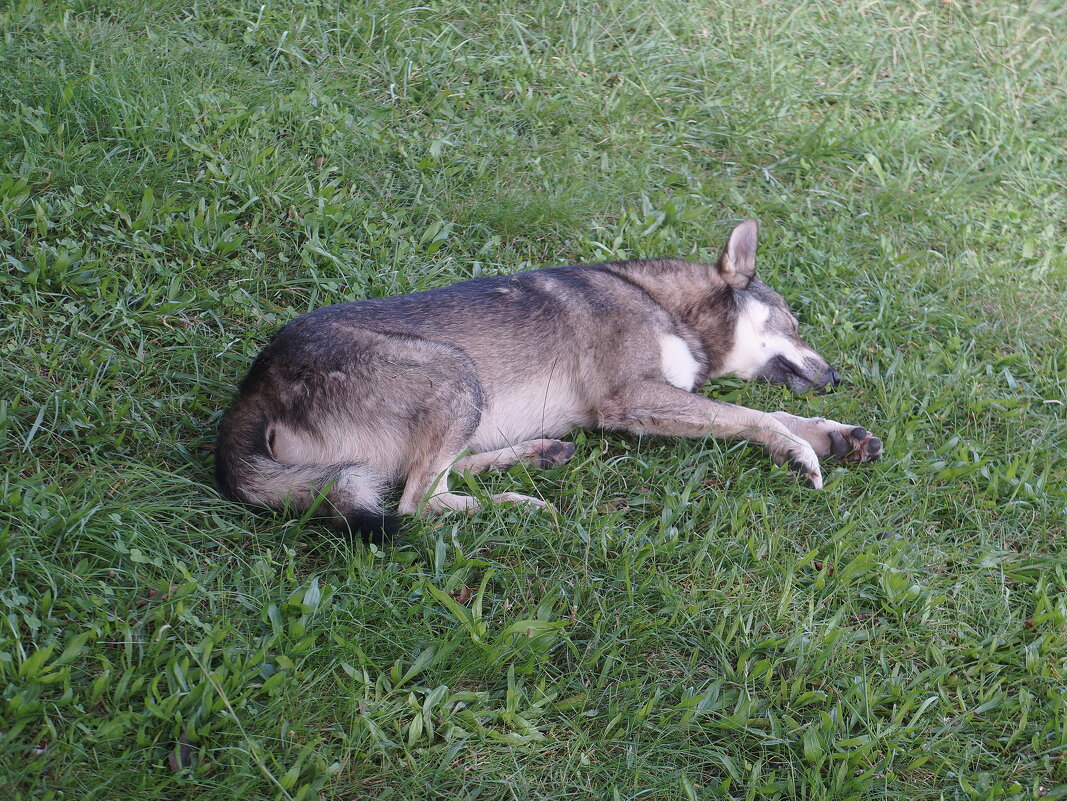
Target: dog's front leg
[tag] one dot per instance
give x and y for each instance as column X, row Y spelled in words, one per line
column 833, row 440
column 651, row 407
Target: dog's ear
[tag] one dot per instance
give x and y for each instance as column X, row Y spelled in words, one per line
column 737, row 264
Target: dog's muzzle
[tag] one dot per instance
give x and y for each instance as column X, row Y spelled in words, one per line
column 809, row 377
column 828, row 381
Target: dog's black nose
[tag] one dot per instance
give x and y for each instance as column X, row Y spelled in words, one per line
column 835, row 377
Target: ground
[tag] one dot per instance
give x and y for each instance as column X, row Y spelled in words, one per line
column 178, row 179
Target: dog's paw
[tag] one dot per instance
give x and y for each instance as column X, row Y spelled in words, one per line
column 445, row 502
column 523, row 500
column 804, row 463
column 854, row 444
column 545, row 453
column 832, row 440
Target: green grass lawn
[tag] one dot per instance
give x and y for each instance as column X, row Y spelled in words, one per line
column 178, row 179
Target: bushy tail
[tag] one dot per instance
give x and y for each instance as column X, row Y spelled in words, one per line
column 350, row 495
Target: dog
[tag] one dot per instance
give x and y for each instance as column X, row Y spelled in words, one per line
column 353, row 399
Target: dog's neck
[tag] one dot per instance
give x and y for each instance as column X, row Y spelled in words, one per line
column 684, row 299
column 701, row 305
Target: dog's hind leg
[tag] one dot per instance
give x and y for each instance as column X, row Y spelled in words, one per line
column 832, row 440
column 427, row 489
column 540, row 453
column 430, row 493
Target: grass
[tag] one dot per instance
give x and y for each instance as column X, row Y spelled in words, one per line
column 179, row 179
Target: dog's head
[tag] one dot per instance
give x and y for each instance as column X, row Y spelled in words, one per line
column 766, row 338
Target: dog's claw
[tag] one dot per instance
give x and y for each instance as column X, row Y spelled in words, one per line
column 809, row 473
column 813, row 477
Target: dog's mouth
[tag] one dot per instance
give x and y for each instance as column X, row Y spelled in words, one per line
column 812, row 376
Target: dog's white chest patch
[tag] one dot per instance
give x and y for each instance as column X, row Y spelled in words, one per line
column 679, row 367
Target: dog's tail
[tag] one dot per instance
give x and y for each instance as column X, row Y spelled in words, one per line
column 245, row 470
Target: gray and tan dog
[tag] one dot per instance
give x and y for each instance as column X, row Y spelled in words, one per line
column 351, row 399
